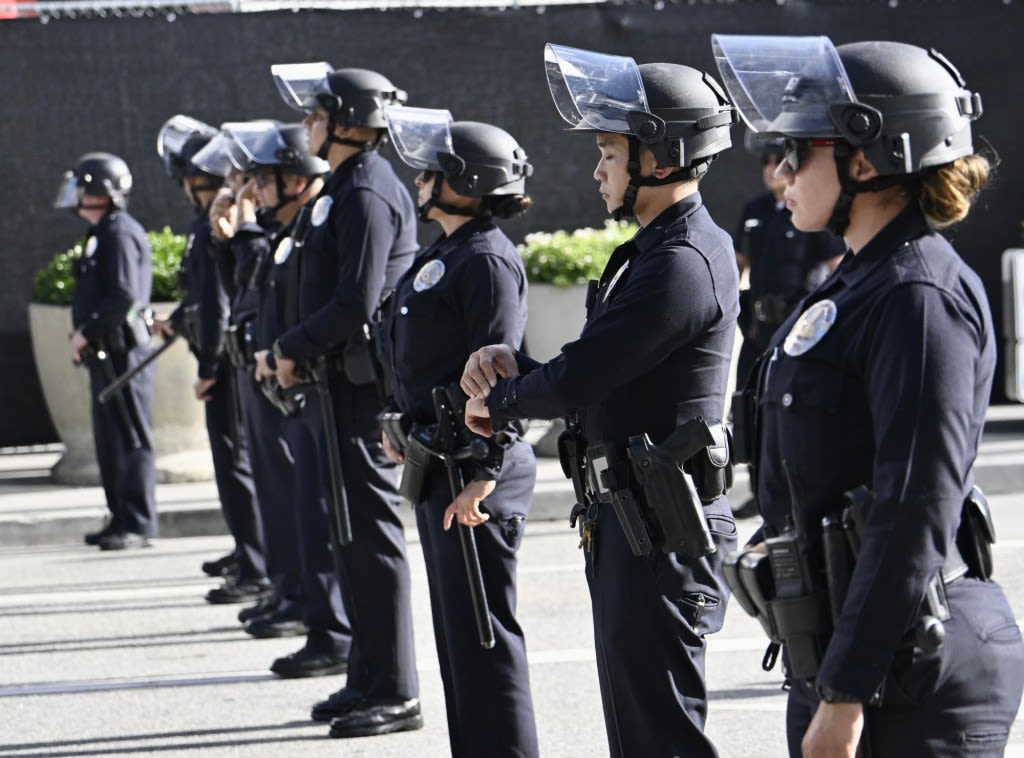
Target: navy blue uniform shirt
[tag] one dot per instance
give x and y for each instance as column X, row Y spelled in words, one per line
column 203, row 286
column 361, row 238
column 115, row 271
column 657, row 341
column 273, row 276
column 462, row 293
column 249, row 248
column 779, row 255
column 892, row 395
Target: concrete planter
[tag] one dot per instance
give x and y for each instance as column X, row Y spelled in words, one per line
column 179, row 426
column 556, row 316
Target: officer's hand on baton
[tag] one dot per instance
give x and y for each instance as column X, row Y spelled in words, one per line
column 467, row 505
column 389, row 449
column 202, row 388
column 485, row 366
column 478, row 417
column 262, row 369
column 285, row 373
column 162, row 326
column 78, row 344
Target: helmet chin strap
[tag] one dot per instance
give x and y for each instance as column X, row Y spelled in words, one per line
column 333, row 139
column 636, row 181
column 435, row 201
column 839, row 220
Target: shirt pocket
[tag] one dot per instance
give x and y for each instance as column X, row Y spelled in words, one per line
column 806, row 400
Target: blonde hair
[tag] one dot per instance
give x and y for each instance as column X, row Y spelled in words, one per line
column 947, row 192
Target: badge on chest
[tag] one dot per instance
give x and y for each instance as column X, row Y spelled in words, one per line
column 90, row 247
column 809, row 329
column 321, row 210
column 284, row 249
column 428, row 276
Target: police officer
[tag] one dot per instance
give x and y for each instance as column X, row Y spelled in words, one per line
column 201, row 318
column 655, row 349
column 466, row 290
column 783, row 265
column 113, row 278
column 783, row 262
column 881, row 380
column 361, row 238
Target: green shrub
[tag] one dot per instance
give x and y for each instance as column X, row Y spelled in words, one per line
column 55, row 284
column 567, row 258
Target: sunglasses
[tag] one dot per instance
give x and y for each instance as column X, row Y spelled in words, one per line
column 261, row 180
column 798, row 150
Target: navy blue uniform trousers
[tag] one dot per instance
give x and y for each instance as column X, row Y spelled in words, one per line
column 128, row 475
column 490, row 710
column 958, row 701
column 273, row 476
column 662, row 605
column 235, row 486
column 323, row 605
column 375, row 582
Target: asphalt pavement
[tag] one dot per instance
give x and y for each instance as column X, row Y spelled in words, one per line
column 108, row 654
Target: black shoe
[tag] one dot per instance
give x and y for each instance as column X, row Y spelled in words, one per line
column 305, row 662
column 93, row 538
column 384, row 718
column 264, row 607
column 276, row 625
column 337, row 704
column 222, row 566
column 746, row 509
column 123, row 541
column 239, row 591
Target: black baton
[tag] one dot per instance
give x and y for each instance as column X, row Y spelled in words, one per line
column 124, row 416
column 234, row 415
column 339, row 498
column 451, row 455
column 117, row 385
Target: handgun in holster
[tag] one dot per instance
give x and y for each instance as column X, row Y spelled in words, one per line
column 608, row 475
column 671, row 492
column 396, row 427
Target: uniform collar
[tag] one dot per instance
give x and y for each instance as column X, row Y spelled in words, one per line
column 667, row 222
column 344, row 170
column 444, row 245
column 908, row 225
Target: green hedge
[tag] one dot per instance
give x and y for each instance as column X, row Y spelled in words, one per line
column 55, row 284
column 567, row 258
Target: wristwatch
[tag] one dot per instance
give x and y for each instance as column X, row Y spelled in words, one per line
column 829, row 695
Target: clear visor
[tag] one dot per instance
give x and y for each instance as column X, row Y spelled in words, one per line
column 67, row 194
column 766, row 75
column 224, row 154
column 419, row 134
column 176, row 132
column 593, row 90
column 297, row 82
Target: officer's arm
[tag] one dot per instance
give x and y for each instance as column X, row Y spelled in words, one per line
column 213, row 305
column 119, row 268
column 921, row 356
column 365, row 229
column 660, row 305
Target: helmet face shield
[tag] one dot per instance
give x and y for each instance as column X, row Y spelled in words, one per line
column 420, row 135
column 592, row 90
column 298, row 83
column 68, row 193
column 171, row 139
column 783, row 84
column 226, row 153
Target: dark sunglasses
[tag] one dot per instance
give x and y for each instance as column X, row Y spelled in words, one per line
column 798, row 150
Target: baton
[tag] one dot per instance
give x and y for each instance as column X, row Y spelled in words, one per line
column 124, row 415
column 339, row 498
column 117, row 384
column 234, row 415
column 443, row 407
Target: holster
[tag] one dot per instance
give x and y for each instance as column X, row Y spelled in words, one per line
column 138, row 327
column 359, row 359
column 571, row 454
column 976, row 535
column 419, row 461
column 238, row 344
column 286, row 404
column 396, row 427
column 608, row 476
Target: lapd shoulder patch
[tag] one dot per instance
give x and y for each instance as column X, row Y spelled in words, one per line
column 812, row 325
column 429, row 275
column 284, row 249
column 321, row 210
column 90, row 247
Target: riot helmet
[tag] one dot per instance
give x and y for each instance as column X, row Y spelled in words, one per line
column 224, row 154
column 96, row 175
column 907, row 108
column 351, row 97
column 178, row 140
column 474, row 158
column 682, row 115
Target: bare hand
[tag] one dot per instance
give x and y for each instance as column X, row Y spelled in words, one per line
column 834, row 732
column 389, row 449
column 202, row 388
column 246, row 203
column 224, row 214
column 285, row 373
column 467, row 505
column 478, row 417
column 78, row 344
column 162, row 326
column 262, row 370
column 485, row 366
